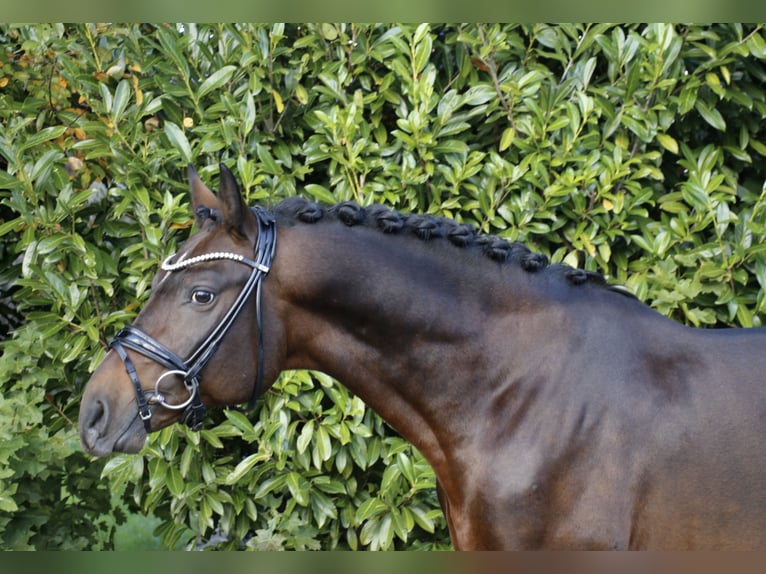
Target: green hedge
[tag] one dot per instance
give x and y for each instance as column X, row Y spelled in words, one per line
column 637, row 151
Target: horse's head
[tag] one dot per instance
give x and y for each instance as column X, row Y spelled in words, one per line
column 198, row 339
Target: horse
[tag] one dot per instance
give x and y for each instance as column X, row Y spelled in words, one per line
column 557, row 410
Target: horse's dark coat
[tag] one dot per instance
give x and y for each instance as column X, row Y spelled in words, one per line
column 556, row 412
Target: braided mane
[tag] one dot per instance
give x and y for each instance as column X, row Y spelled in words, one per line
column 428, row 228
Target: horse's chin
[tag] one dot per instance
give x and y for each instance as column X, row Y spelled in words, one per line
column 131, row 442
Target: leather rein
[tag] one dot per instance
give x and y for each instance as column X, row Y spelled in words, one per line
column 133, row 338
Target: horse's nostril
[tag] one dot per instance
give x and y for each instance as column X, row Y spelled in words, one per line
column 96, row 418
column 94, row 427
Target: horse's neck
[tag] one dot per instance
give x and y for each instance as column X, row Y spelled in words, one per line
column 368, row 293
column 389, row 317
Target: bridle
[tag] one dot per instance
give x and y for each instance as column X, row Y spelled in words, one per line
column 131, row 337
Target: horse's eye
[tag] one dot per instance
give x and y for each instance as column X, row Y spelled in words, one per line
column 202, row 296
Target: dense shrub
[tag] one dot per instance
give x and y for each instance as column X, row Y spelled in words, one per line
column 633, row 150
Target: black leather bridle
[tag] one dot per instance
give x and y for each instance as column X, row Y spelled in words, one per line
column 131, row 337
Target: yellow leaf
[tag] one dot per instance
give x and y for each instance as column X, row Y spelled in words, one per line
column 181, row 225
column 3, row 82
column 301, row 94
column 622, row 141
column 278, row 101
column 589, row 246
column 605, row 251
column 758, row 146
column 726, row 74
column 668, row 142
column 712, row 80
column 572, row 259
column 608, row 205
column 139, row 93
column 507, row 138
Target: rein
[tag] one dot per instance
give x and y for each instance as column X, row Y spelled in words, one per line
column 135, row 339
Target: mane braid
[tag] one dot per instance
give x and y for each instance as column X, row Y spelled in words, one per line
column 429, row 228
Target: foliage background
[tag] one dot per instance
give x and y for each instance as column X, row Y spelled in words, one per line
column 634, row 150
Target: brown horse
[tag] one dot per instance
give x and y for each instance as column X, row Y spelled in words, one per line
column 556, row 411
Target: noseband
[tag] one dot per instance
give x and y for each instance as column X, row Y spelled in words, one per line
column 134, row 338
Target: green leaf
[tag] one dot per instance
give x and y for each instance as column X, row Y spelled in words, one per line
column 757, row 46
column 321, row 193
column 305, row 437
column 10, row 225
column 390, row 479
column 239, row 420
column 178, row 139
column 404, row 462
column 244, row 466
column 711, row 115
column 268, row 164
column 299, row 488
column 323, row 508
column 687, row 98
column 7, row 504
column 211, row 438
column 7, row 181
column 216, row 80
column 755, row 144
column 120, row 102
column 171, row 47
column 250, row 116
column 369, row 508
column 587, row 72
column 422, row 518
column 451, row 146
column 323, row 443
column 420, row 33
column 268, row 485
column 422, row 52
column 44, row 135
column 479, row 94
column 75, row 350
column 215, row 501
column 378, row 533
column 124, row 468
column 328, row 31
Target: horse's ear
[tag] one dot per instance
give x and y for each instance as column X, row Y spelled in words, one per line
column 236, row 214
column 201, row 196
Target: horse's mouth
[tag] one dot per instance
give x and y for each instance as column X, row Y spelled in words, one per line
column 130, row 441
